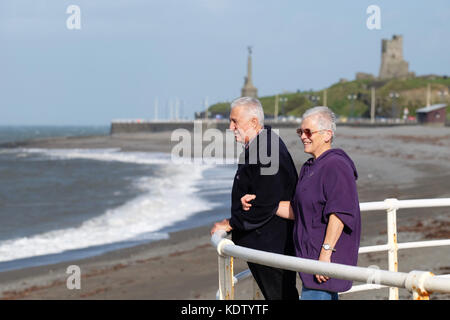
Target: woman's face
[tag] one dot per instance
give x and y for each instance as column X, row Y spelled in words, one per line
column 315, row 141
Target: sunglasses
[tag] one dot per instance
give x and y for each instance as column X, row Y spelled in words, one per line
column 308, row 133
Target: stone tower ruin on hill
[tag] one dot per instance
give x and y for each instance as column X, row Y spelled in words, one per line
column 392, row 63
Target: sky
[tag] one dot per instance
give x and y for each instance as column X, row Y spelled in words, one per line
column 128, row 54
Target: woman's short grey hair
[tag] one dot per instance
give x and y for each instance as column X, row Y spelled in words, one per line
column 252, row 107
column 326, row 119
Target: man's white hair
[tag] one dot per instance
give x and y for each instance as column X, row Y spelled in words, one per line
column 252, row 107
column 326, row 119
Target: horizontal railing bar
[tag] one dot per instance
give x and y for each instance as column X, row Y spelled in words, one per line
column 367, row 287
column 423, row 244
column 364, row 287
column 383, row 278
column 371, row 206
column 217, row 237
column 437, row 284
column 332, row 270
column 242, row 276
column 358, row 288
column 406, row 245
column 404, row 204
column 383, row 247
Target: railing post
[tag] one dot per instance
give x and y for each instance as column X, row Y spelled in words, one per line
column 392, row 243
column 226, row 285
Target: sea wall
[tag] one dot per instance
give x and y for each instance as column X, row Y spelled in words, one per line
column 155, row 126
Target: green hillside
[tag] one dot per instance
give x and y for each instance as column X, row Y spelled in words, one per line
column 411, row 94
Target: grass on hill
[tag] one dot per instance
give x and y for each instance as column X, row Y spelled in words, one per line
column 412, row 94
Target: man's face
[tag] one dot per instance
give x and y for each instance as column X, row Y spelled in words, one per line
column 242, row 125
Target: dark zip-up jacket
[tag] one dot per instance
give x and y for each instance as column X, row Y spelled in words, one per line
column 260, row 228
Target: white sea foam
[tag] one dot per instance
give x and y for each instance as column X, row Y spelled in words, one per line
column 168, row 197
column 110, row 154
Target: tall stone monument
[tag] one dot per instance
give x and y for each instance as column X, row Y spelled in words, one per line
column 392, row 63
column 249, row 90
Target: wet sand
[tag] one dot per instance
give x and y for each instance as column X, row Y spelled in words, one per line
column 393, row 162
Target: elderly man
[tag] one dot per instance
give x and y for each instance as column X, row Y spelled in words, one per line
column 260, row 228
column 325, row 205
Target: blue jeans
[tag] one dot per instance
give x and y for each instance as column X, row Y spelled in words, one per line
column 311, row 294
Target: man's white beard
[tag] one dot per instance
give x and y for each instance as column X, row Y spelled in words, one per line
column 241, row 135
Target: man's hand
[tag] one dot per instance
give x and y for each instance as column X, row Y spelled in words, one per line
column 325, row 256
column 245, row 201
column 222, row 225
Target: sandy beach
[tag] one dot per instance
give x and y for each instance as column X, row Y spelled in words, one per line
column 409, row 162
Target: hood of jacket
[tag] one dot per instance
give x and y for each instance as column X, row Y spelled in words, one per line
column 334, row 152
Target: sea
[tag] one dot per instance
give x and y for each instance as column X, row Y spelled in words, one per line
column 63, row 204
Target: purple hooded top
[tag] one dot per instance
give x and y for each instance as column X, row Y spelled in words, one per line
column 327, row 185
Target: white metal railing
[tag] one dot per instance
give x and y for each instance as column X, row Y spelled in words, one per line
column 420, row 283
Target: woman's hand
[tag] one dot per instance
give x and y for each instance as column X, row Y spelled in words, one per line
column 334, row 231
column 245, row 201
column 325, row 256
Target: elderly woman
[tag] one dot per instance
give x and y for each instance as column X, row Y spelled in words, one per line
column 325, row 206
